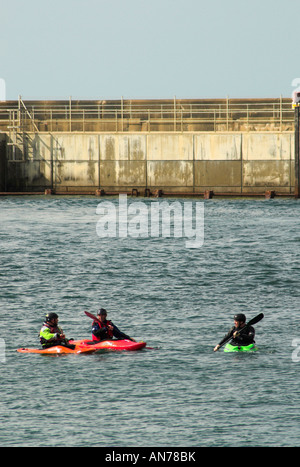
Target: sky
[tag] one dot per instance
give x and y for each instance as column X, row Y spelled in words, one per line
column 149, row 49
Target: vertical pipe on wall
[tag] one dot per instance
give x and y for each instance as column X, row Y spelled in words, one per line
column 227, row 113
column 51, row 162
column 242, row 168
column 146, row 162
column 280, row 113
column 194, row 168
column 70, row 112
column 122, row 113
column 297, row 152
column 174, row 113
column 99, row 160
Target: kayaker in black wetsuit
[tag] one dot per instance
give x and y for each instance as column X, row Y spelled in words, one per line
column 104, row 329
column 243, row 338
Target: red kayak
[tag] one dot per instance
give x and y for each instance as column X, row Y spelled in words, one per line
column 88, row 346
column 122, row 344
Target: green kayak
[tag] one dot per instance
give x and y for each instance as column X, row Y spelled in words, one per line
column 240, row 348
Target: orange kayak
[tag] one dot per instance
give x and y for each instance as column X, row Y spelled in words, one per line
column 87, row 346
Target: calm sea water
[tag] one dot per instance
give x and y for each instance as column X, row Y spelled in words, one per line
column 181, row 301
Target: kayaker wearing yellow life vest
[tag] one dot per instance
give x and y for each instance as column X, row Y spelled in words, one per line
column 51, row 334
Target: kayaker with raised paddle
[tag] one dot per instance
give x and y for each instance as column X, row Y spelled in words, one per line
column 51, row 334
column 103, row 329
column 239, row 336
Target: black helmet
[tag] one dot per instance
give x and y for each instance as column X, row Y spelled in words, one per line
column 102, row 311
column 51, row 316
column 240, row 317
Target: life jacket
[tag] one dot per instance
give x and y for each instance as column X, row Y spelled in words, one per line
column 245, row 338
column 52, row 329
column 109, row 332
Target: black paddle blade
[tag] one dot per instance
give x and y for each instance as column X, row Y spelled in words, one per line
column 252, row 321
column 255, row 320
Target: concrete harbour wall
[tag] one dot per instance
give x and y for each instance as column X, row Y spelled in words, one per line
column 183, row 163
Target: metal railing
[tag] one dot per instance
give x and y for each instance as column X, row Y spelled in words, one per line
column 147, row 115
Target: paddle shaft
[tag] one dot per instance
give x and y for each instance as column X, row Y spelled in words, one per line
column 90, row 315
column 252, row 321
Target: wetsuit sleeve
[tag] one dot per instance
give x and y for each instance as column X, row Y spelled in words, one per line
column 118, row 334
column 247, row 337
column 228, row 335
column 97, row 331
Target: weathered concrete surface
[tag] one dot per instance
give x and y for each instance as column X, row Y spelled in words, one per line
column 218, row 175
column 122, row 174
column 168, row 147
column 122, row 147
column 229, row 162
column 218, row 147
column 267, row 173
column 75, row 160
column 168, row 173
column 271, row 147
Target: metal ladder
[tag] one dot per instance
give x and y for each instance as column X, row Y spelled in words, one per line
column 16, row 130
